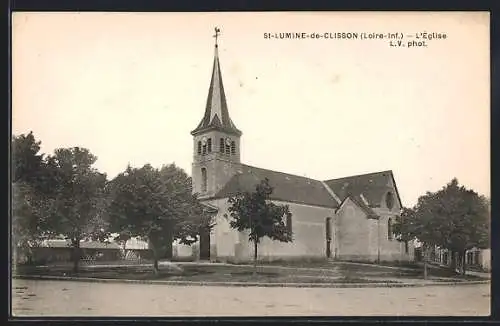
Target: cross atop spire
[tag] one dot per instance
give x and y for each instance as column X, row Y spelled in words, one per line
column 216, row 35
column 216, row 113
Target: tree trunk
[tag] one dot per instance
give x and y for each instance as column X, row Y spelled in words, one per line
column 29, row 257
column 255, row 256
column 168, row 245
column 453, row 263
column 156, row 268
column 425, row 254
column 464, row 256
column 76, row 255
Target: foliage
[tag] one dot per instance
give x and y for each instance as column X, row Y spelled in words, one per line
column 29, row 227
column 156, row 205
column 254, row 212
column 78, row 197
column 26, row 160
column 454, row 218
column 29, row 194
column 404, row 226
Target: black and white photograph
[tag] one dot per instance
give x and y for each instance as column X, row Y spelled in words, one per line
column 250, row 164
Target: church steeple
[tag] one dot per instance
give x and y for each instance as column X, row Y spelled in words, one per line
column 216, row 115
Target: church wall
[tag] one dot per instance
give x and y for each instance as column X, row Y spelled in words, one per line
column 354, row 232
column 309, row 234
column 223, row 239
column 373, row 243
column 390, row 248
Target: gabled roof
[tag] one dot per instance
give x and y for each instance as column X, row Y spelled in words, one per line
column 287, row 187
column 360, row 203
column 371, row 186
column 216, row 112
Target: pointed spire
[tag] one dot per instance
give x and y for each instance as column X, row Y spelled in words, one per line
column 216, row 112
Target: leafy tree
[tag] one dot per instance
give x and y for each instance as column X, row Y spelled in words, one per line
column 403, row 226
column 454, row 218
column 253, row 211
column 154, row 205
column 78, row 198
column 29, row 220
column 30, row 184
column 26, row 159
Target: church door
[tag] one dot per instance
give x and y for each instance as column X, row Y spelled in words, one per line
column 328, row 227
column 205, row 245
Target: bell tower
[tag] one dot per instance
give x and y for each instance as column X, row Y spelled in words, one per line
column 216, row 140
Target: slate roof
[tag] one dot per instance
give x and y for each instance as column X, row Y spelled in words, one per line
column 216, row 113
column 361, row 204
column 287, row 187
column 296, row 189
column 372, row 186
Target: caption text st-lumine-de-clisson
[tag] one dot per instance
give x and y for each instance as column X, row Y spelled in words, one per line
column 396, row 39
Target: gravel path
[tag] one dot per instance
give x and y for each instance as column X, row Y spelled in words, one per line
column 56, row 298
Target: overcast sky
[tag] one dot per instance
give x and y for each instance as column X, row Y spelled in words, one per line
column 131, row 86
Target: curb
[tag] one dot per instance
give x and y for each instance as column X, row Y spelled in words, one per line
column 248, row 284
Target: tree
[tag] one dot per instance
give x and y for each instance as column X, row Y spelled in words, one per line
column 253, row 211
column 29, row 194
column 26, row 160
column 403, row 226
column 454, row 218
column 154, row 205
column 29, row 223
column 77, row 198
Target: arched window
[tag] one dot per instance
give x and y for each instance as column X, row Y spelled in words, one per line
column 199, row 148
column 389, row 200
column 209, row 143
column 203, row 180
column 389, row 229
column 289, row 222
column 221, row 145
column 233, row 147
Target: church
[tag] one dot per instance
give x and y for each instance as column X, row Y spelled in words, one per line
column 340, row 219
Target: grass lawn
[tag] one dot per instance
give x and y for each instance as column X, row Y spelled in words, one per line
column 332, row 273
column 204, row 273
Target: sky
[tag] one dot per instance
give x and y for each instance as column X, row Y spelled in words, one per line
column 131, row 86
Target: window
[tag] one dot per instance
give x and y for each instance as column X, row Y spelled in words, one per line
column 389, row 200
column 221, row 145
column 389, row 229
column 233, row 147
column 228, row 149
column 406, row 247
column 203, row 180
column 205, row 149
column 289, row 222
column 209, row 143
column 199, row 148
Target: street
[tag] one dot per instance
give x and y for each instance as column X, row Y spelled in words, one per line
column 65, row 298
